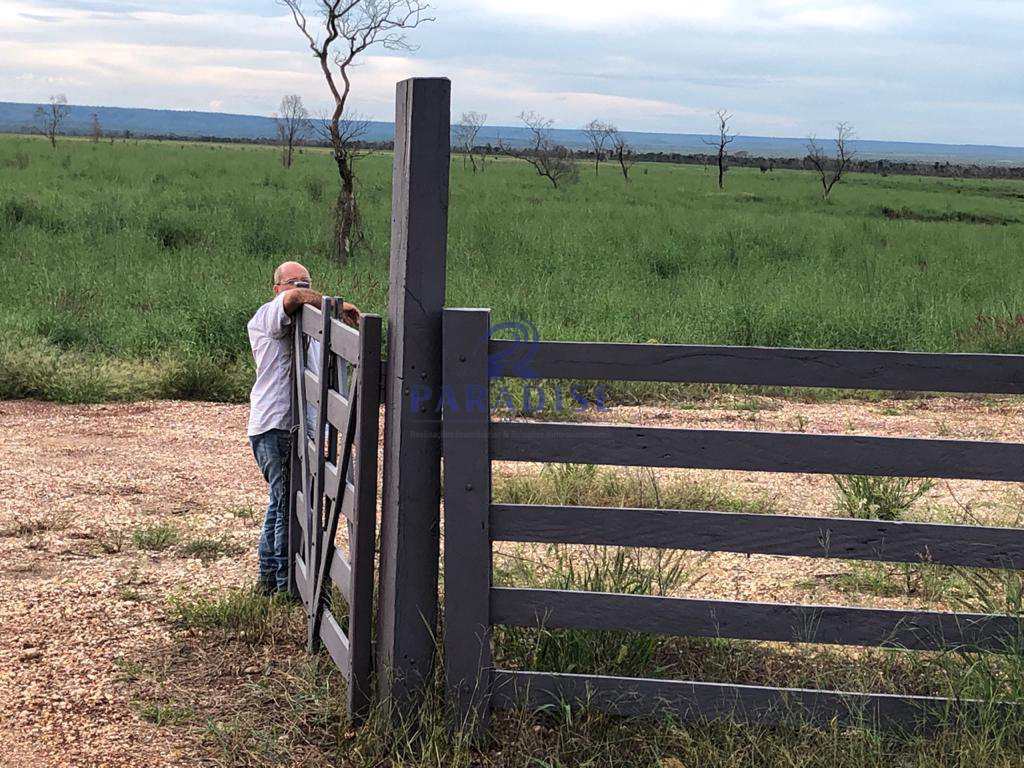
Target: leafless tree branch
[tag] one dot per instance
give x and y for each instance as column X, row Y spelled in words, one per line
column 466, row 131
column 599, row 134
column 829, row 169
column 292, row 126
column 552, row 161
column 51, row 116
column 721, row 143
column 623, row 153
column 347, row 28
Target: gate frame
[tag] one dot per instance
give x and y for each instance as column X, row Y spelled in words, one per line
column 321, row 469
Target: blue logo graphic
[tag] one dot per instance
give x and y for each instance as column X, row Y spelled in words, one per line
column 514, row 359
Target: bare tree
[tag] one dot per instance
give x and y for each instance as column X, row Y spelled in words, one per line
column 831, row 170
column 51, row 116
column 466, row 131
column 346, row 28
column 598, row 134
column 292, row 126
column 552, row 161
column 722, row 143
column 95, row 130
column 623, row 152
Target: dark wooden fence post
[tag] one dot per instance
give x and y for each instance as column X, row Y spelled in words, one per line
column 410, row 509
column 467, row 498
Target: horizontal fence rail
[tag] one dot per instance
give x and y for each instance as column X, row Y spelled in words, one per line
column 686, row 617
column 761, row 366
column 473, row 522
column 756, row 451
column 690, row 700
column 760, row 534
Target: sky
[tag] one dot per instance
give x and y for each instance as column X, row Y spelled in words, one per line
column 936, row 70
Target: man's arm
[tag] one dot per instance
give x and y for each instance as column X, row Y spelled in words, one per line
column 296, row 297
column 350, row 314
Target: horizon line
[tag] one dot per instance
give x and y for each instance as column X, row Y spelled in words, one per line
column 855, row 139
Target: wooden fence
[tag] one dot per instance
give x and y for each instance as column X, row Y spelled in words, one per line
column 334, row 476
column 473, row 522
column 334, row 471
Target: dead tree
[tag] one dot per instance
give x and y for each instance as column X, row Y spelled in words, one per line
column 51, row 116
column 721, row 143
column 466, row 131
column 831, row 170
column 552, row 161
column 347, row 28
column 623, row 153
column 95, row 130
column 292, row 126
column 599, row 135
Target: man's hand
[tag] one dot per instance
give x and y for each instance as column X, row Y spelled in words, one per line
column 350, row 314
column 296, row 297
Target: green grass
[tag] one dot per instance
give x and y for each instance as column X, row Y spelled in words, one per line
column 590, row 485
column 134, row 266
column 878, row 498
column 209, row 549
column 240, row 614
column 156, row 537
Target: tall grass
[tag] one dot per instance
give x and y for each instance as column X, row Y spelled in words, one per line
column 135, row 265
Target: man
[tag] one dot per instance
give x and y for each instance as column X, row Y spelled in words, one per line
column 270, row 408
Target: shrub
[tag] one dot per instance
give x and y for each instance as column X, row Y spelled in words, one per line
column 993, row 333
column 155, row 538
column 31, row 366
column 315, row 188
column 29, row 212
column 175, row 232
column 209, row 549
column 20, row 161
column 878, row 498
column 197, row 376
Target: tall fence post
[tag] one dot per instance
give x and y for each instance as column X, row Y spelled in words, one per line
column 410, row 508
column 467, row 498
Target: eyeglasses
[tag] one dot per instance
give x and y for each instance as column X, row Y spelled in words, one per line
column 295, row 282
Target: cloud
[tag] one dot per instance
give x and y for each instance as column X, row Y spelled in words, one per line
column 784, row 67
column 735, row 14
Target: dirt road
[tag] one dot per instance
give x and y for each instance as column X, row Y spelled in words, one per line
column 82, row 604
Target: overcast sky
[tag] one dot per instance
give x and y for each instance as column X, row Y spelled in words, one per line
column 918, row 70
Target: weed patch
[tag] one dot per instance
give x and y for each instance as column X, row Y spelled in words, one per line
column 589, row 485
column 155, row 538
column 240, row 614
column 210, row 549
column 962, row 217
column 878, row 498
column 35, row 525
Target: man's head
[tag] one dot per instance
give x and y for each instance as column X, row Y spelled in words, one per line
column 290, row 275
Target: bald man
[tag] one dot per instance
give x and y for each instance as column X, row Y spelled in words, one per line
column 270, row 408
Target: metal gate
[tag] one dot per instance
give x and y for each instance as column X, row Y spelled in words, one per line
column 336, row 395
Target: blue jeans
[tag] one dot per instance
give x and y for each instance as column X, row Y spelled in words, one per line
column 272, row 450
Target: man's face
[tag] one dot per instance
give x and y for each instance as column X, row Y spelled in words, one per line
column 294, row 277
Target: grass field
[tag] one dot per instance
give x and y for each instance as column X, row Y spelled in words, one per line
column 131, row 268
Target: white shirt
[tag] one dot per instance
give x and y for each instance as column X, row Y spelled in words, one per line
column 270, row 336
